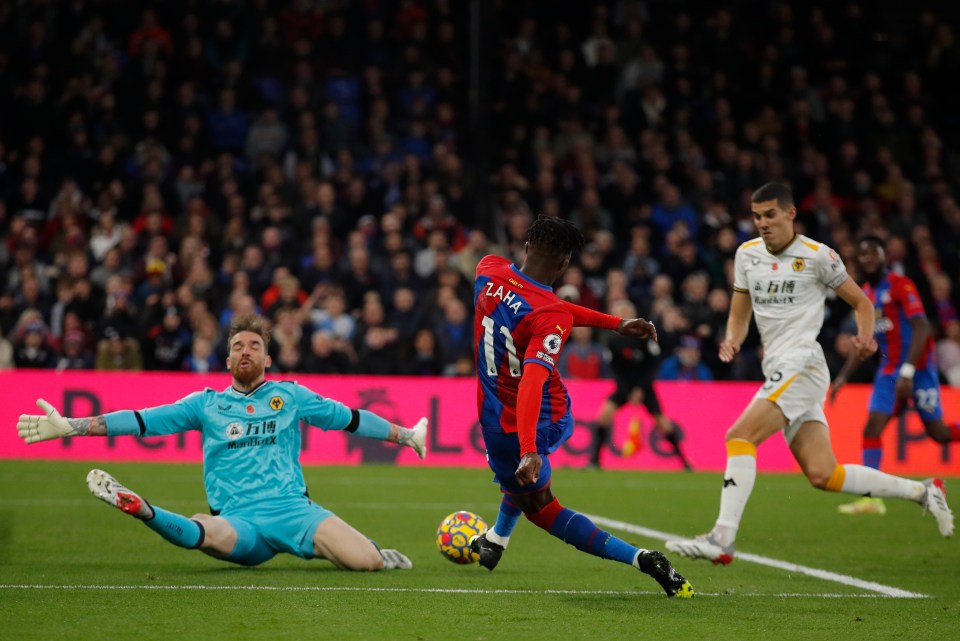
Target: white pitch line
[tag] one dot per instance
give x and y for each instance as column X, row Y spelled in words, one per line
column 273, row 588
column 826, row 575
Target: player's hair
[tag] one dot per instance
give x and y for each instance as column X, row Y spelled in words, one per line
column 774, row 191
column 253, row 324
column 555, row 236
column 874, row 240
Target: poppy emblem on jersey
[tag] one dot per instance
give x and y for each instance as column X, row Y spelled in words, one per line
column 798, row 264
column 276, row 403
column 775, row 266
column 552, row 343
column 234, row 431
column 250, row 409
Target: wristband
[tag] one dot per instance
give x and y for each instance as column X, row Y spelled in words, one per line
column 907, row 370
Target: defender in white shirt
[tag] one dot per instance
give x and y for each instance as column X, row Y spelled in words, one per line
column 783, row 279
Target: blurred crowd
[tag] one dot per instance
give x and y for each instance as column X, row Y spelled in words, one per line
column 165, row 166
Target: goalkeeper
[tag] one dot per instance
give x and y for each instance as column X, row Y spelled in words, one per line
column 251, row 445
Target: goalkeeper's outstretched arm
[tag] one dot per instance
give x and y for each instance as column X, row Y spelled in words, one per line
column 33, row 428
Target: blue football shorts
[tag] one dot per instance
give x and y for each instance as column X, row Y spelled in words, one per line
column 273, row 526
column 503, row 454
column 926, row 394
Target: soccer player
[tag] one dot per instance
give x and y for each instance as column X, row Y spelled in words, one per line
column 524, row 409
column 783, row 278
column 634, row 370
column 251, row 446
column 908, row 368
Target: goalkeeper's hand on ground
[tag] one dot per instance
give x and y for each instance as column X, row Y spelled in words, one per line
column 33, row 429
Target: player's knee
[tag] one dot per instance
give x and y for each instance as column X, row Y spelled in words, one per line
column 937, row 431
column 874, row 429
column 535, row 501
column 369, row 561
column 819, row 478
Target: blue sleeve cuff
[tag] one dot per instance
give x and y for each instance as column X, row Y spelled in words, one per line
column 124, row 423
column 372, row 426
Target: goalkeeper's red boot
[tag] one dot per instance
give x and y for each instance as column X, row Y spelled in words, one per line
column 109, row 490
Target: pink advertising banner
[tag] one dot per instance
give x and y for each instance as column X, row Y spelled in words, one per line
column 703, row 411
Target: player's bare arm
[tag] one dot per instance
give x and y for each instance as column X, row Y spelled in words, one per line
column 738, row 324
column 865, row 344
column 920, row 326
column 34, row 428
column 849, row 367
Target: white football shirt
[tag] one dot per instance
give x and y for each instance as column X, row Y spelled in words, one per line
column 787, row 290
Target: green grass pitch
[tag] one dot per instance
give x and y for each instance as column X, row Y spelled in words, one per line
column 115, row 579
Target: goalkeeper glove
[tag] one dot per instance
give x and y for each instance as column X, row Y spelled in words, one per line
column 33, row 429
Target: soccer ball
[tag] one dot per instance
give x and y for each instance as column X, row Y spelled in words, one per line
column 454, row 534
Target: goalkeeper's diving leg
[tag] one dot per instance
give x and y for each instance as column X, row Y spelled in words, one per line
column 334, row 539
column 175, row 528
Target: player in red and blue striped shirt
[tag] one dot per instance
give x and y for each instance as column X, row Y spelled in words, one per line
column 908, row 368
column 520, row 327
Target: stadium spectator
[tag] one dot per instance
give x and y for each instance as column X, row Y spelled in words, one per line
column 332, row 315
column 74, row 353
column 118, row 351
column 220, row 124
column 422, row 356
column 325, row 355
column 685, row 363
column 6, row 352
column 375, row 341
column 32, row 345
column 584, row 356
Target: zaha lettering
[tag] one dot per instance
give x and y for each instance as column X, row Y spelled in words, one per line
column 505, row 295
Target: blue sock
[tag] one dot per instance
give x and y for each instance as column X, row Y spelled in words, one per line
column 507, row 518
column 175, row 528
column 579, row 531
column 872, row 452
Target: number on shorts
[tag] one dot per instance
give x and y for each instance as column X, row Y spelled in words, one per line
column 775, row 378
column 926, row 399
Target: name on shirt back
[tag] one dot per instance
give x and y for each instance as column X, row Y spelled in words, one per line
column 507, row 296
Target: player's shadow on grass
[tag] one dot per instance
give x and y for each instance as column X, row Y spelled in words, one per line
column 263, row 570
